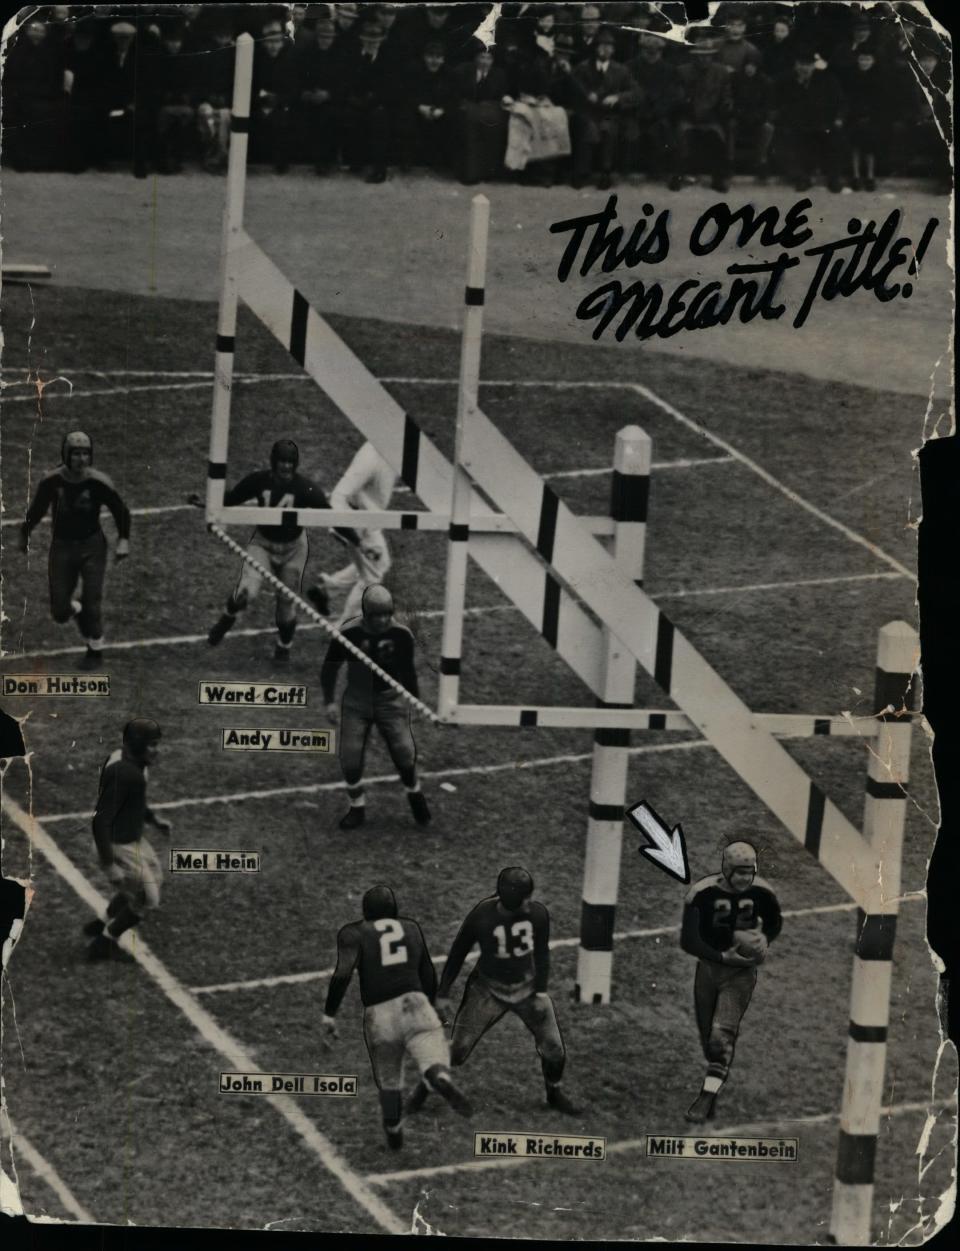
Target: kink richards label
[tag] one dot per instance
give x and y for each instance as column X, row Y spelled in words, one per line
column 288, row 1084
column 187, row 860
column 262, row 693
column 562, row 1147
column 769, row 1150
column 56, row 684
column 319, row 742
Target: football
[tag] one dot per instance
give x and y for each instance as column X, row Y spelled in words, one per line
column 751, row 943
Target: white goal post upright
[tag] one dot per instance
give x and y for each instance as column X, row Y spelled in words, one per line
column 467, row 401
column 230, row 242
column 629, row 493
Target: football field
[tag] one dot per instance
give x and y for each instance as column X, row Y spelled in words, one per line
column 779, row 542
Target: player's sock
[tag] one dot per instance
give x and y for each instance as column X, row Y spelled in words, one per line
column 356, row 814
column 553, row 1071
column 117, row 904
column 441, row 1080
column 391, row 1106
column 712, row 1084
column 286, row 630
column 357, row 797
column 417, row 1099
column 125, row 920
column 95, row 645
column 411, row 783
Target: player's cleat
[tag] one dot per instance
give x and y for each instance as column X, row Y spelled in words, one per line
column 417, row 1099
column 93, row 659
column 445, row 1086
column 355, row 816
column 559, row 1100
column 281, row 654
column 418, row 806
column 219, row 629
column 394, row 1136
column 702, row 1107
column 94, row 928
column 319, row 598
column 104, row 947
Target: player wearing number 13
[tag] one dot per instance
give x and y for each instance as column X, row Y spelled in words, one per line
column 397, row 985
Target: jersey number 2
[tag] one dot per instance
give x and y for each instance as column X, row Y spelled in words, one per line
column 393, row 950
column 521, row 932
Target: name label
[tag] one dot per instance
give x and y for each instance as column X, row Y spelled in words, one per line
column 567, row 1147
column 184, row 860
column 772, row 1150
column 252, row 693
column 317, row 741
column 287, row 1084
column 56, row 684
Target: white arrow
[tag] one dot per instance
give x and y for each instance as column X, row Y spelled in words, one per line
column 666, row 849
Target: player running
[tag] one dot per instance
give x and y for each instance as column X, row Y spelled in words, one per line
column 513, row 933
column 129, row 861
column 397, row 986
column 368, row 701
column 282, row 549
column 75, row 492
column 368, row 483
column 728, row 922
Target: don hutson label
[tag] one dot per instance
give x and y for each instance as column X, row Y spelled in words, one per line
column 288, row 1084
column 252, row 693
column 777, row 1150
column 55, row 684
column 565, row 1147
column 320, row 741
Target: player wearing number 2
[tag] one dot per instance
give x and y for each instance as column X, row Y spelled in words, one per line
column 513, row 933
column 728, row 922
column 397, row 985
column 282, row 549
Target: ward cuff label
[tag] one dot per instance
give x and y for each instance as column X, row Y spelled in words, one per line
column 262, row 693
column 318, row 741
column 562, row 1147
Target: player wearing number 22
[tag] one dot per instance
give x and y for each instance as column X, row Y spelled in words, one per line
column 397, row 986
column 512, row 930
column 728, row 922
column 282, row 549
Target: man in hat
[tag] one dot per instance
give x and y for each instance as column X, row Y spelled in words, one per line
column 368, row 103
column 808, row 114
column 704, row 114
column 272, row 94
column 426, row 110
column 608, row 94
column 74, row 493
column 661, row 96
column 318, row 75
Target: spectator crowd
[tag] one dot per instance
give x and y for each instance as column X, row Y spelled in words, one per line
column 565, row 92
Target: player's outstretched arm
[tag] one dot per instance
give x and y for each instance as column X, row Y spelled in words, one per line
column 458, row 953
column 348, row 952
column 42, row 499
column 161, row 824
column 427, row 970
column 541, row 949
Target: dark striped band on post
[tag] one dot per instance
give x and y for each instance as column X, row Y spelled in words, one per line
column 473, row 297
column 886, row 790
column 875, row 936
column 459, row 533
column 816, row 802
column 239, row 125
column 596, row 926
column 551, row 610
column 821, row 725
column 226, row 342
column 547, row 530
column 663, row 663
column 288, row 517
column 216, row 469
column 856, row 1157
column 658, row 721
column 605, row 812
column 894, row 689
column 528, row 717
column 629, row 496
column 868, row 1033
column 605, row 737
column 596, row 997
column 409, row 521
column 410, row 460
column 450, row 666
column 298, row 327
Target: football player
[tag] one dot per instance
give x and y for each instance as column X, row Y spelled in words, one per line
column 75, row 492
column 282, row 549
column 729, row 920
column 368, row 483
column 130, row 863
column 398, row 984
column 512, row 930
column 368, row 701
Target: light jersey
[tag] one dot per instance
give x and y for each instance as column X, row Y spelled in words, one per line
column 514, row 948
column 722, row 911
column 367, row 483
column 390, row 956
column 76, row 505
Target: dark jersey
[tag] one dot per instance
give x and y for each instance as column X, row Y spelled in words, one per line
column 391, row 959
column 514, row 946
column 393, row 651
column 121, row 803
column 713, row 911
column 267, row 490
column 76, row 505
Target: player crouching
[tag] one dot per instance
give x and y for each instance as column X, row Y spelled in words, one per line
column 728, row 922
column 397, row 986
column 131, row 864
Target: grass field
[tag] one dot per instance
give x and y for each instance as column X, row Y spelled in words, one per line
column 780, row 540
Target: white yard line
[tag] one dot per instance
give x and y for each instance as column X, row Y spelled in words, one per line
column 317, row 975
column 20, row 1144
column 213, row 1034
column 159, row 510
column 689, row 463
column 45, row 392
column 780, row 586
column 779, row 1125
column 316, row 788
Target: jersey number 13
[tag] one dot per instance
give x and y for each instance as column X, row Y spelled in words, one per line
column 519, row 941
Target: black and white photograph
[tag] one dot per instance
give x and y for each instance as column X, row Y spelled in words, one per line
column 469, row 722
